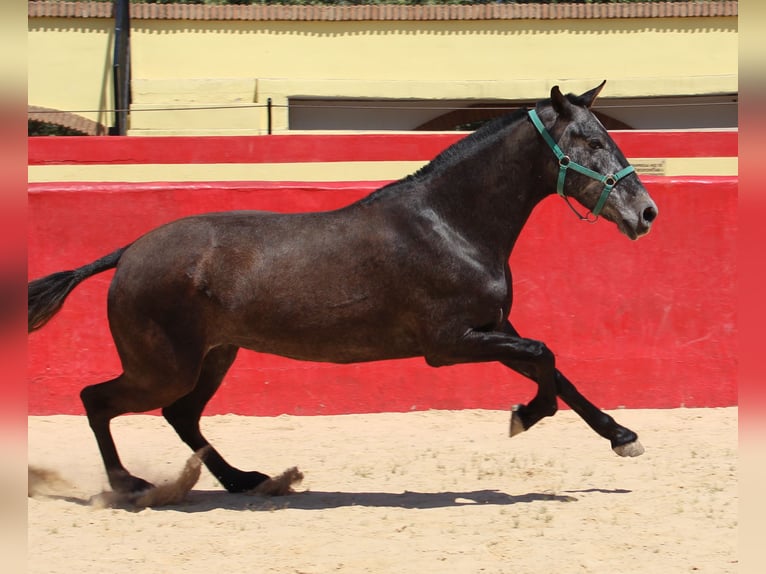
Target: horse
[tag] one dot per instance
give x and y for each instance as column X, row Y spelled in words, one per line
column 418, row 268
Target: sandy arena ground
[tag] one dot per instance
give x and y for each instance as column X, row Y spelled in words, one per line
column 422, row 492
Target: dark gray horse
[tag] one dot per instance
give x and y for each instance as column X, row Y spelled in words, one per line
column 417, row 268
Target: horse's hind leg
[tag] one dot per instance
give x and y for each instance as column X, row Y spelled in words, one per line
column 184, row 416
column 103, row 402
column 155, row 380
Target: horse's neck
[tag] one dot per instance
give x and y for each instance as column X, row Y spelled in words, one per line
column 491, row 191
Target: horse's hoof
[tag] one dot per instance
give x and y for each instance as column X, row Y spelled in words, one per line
column 241, row 481
column 517, row 427
column 634, row 448
column 281, row 485
column 124, row 483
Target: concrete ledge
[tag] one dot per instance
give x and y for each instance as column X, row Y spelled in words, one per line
column 633, row 323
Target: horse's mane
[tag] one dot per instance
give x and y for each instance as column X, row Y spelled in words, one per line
column 456, row 151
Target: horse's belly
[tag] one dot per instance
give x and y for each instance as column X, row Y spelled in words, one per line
column 339, row 316
column 350, row 346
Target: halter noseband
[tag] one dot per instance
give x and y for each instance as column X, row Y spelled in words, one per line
column 565, row 164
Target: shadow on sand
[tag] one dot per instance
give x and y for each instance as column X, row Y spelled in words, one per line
column 205, row 500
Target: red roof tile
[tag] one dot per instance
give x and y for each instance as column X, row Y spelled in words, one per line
column 42, row 9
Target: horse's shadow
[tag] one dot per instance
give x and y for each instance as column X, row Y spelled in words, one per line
column 205, row 500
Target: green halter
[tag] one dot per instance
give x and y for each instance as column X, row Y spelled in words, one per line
column 565, row 164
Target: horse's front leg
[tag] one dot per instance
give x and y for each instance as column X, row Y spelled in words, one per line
column 525, row 355
column 623, row 440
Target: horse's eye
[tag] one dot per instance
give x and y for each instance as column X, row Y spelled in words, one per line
column 595, row 144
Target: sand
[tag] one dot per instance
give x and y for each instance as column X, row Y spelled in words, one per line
column 421, row 492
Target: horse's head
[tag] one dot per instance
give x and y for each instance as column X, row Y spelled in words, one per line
column 591, row 168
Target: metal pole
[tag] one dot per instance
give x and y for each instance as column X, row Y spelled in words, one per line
column 121, row 66
column 268, row 116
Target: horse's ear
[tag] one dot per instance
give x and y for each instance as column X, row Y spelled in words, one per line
column 560, row 103
column 590, row 96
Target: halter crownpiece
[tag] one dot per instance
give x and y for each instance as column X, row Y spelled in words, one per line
column 565, row 164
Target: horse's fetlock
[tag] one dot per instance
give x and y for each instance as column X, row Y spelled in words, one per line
column 552, row 409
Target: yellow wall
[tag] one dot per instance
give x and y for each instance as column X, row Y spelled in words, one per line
column 181, row 62
column 334, row 171
column 70, row 65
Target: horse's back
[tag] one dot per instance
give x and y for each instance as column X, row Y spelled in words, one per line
column 318, row 286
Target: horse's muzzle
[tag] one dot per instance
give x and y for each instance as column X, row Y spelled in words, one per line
column 642, row 224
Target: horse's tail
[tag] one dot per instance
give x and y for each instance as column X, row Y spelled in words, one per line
column 47, row 294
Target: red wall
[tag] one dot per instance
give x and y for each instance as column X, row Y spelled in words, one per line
column 637, row 324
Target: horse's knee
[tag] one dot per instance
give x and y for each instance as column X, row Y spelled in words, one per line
column 95, row 399
column 87, row 398
column 544, row 356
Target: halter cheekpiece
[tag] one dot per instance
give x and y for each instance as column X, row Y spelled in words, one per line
column 565, row 164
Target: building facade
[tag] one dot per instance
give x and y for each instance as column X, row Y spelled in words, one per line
column 246, row 70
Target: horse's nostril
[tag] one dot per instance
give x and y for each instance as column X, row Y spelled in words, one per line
column 650, row 213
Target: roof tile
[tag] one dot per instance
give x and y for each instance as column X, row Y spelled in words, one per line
column 713, row 8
